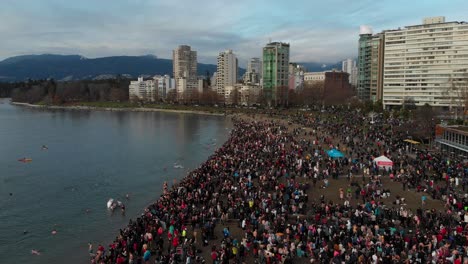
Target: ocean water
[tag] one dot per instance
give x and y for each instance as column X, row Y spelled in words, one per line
column 92, row 156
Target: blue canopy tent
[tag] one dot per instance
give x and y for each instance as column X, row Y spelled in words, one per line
column 334, row 153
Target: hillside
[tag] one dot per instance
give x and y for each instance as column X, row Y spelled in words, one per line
column 75, row 67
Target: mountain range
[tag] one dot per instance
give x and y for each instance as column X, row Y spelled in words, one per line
column 76, row 67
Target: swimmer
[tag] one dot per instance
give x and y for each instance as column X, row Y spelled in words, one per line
column 11, row 194
column 54, row 232
column 25, row 232
column 90, row 248
column 44, row 147
column 35, row 252
column 127, row 196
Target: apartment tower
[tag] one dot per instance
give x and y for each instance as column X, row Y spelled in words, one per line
column 275, row 72
column 370, row 66
column 226, row 72
column 184, row 61
column 424, row 62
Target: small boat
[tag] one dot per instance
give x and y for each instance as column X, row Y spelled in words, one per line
column 25, row 160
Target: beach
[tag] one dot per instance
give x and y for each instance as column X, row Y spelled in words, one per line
column 271, row 194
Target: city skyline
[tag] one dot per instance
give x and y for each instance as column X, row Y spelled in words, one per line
column 111, row 28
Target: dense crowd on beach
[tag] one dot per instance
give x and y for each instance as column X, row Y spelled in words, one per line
column 261, row 178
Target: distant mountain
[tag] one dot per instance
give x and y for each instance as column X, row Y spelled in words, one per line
column 75, row 67
column 317, row 66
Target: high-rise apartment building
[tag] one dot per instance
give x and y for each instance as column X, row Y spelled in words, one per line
column 255, row 65
column 275, row 72
column 226, row 72
column 370, row 66
column 423, row 61
column 253, row 75
column 296, row 76
column 185, row 70
column 349, row 66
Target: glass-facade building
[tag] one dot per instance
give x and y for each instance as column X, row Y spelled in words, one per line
column 275, row 72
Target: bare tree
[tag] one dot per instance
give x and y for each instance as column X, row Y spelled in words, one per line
column 424, row 123
column 234, row 96
column 458, row 93
column 313, row 93
column 282, row 96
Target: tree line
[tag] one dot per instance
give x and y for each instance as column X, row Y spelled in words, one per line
column 52, row 92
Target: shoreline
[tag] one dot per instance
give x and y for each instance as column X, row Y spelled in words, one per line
column 112, row 109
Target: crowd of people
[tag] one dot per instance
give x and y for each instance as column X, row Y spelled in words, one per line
column 253, row 197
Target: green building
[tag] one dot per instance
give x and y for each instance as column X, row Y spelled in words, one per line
column 364, row 60
column 275, row 73
column 370, row 67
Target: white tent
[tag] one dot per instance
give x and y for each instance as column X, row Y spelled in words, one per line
column 383, row 162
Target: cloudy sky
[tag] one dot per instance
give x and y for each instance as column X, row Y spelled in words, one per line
column 318, row 31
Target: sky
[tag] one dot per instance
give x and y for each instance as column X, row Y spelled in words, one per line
column 318, row 31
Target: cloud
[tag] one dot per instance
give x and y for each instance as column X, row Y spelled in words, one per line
column 317, row 30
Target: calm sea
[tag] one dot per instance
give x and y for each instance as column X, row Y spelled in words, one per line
column 92, row 156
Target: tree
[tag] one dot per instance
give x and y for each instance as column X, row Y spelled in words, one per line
column 408, row 103
column 208, row 79
column 424, row 122
column 458, row 93
column 282, row 96
column 171, row 95
column 313, row 93
column 234, row 96
column 293, row 97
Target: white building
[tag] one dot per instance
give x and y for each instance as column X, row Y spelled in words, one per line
column 253, row 75
column 255, row 65
column 296, row 76
column 349, row 66
column 242, row 94
column 354, row 76
column 213, row 81
column 142, row 90
column 421, row 61
column 200, row 85
column 249, row 94
column 226, row 72
column 312, row 77
column 232, row 94
column 185, row 70
column 151, row 90
column 164, row 84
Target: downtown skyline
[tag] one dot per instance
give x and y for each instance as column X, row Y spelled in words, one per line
column 317, row 31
